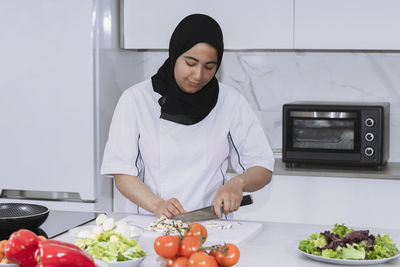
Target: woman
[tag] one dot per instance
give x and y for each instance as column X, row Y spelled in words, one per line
column 170, row 137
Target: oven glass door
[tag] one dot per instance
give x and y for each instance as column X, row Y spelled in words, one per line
column 325, row 131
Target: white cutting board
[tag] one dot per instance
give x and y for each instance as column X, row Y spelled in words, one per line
column 239, row 232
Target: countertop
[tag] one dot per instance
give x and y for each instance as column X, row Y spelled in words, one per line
column 275, row 245
column 390, row 171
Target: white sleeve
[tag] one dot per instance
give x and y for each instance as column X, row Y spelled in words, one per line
column 121, row 150
column 249, row 146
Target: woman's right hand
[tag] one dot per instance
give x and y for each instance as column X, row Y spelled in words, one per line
column 169, row 208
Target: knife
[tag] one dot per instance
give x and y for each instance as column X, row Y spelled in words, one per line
column 207, row 213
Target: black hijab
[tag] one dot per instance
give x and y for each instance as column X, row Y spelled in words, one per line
column 177, row 105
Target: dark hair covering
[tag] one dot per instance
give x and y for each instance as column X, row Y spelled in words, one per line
column 176, row 105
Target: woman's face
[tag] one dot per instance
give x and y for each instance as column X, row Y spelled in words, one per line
column 196, row 67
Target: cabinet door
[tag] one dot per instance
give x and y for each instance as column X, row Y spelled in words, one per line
column 47, row 97
column 256, row 24
column 347, row 24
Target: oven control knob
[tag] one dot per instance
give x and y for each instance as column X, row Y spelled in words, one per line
column 369, row 151
column 369, row 122
column 369, row 137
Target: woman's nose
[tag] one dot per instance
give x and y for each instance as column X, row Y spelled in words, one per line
column 198, row 73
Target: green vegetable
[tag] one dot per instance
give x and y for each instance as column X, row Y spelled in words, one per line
column 383, row 248
column 347, row 245
column 311, row 244
column 329, row 253
column 352, row 252
column 110, row 247
column 341, row 230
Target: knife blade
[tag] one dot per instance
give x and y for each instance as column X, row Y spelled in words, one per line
column 207, row 213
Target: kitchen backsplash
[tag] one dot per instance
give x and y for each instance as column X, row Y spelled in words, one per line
column 268, row 79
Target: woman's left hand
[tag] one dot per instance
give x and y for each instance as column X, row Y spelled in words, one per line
column 229, row 195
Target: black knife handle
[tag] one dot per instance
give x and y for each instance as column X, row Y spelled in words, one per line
column 246, row 200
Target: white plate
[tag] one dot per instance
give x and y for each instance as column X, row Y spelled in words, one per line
column 346, row 262
column 137, row 230
column 8, row 265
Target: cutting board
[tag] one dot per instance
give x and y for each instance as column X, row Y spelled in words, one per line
column 239, row 231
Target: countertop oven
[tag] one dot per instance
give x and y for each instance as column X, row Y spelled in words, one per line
column 338, row 133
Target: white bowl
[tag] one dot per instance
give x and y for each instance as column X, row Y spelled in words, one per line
column 130, row 263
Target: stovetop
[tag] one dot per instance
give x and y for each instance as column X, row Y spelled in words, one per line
column 59, row 222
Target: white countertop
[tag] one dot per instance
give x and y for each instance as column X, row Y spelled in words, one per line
column 275, row 245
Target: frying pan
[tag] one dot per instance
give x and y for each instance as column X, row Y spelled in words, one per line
column 15, row 216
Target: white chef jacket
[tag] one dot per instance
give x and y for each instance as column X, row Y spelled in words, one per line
column 188, row 162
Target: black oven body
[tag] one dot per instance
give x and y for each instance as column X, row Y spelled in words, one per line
column 339, row 133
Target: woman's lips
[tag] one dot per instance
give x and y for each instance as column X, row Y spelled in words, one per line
column 193, row 84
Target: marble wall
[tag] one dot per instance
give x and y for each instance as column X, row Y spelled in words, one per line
column 268, row 79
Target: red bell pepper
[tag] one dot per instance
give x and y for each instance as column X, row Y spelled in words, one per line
column 21, row 248
column 61, row 254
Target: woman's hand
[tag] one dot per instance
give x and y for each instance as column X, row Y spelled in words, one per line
column 169, row 208
column 230, row 195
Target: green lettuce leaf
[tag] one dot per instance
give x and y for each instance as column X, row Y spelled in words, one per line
column 352, row 252
column 311, row 244
column 384, row 247
column 341, row 230
column 110, row 247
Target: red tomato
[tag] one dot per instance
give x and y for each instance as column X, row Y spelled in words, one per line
column 199, row 259
column 189, row 245
column 180, row 262
column 169, row 262
column 231, row 258
column 167, row 246
column 213, row 261
column 198, row 231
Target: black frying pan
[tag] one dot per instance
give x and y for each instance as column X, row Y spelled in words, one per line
column 15, row 216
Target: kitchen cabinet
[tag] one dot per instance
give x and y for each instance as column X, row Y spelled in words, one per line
column 270, row 24
column 326, row 200
column 46, row 101
column 258, row 24
column 61, row 75
column 347, row 24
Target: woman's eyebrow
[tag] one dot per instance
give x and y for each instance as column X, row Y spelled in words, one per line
column 195, row 59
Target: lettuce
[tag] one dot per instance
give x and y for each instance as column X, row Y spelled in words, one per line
column 384, row 247
column 312, row 243
column 341, row 230
column 345, row 243
column 353, row 252
column 329, row 253
column 110, row 247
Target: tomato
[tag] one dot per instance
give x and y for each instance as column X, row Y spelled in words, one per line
column 230, row 258
column 167, row 246
column 189, row 245
column 199, row 259
column 213, row 261
column 180, row 262
column 197, row 230
column 169, row 262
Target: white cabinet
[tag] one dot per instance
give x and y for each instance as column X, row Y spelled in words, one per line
column 326, row 201
column 347, row 24
column 47, row 99
column 256, row 24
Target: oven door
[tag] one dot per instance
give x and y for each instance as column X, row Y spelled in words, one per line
column 322, row 136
